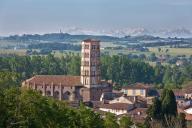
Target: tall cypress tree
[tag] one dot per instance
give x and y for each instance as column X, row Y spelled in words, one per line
column 169, row 105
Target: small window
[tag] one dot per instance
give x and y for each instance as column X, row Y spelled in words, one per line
column 86, row 46
column 93, row 46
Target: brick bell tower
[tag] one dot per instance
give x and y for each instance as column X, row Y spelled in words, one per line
column 90, row 63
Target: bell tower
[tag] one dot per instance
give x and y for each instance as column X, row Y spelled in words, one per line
column 90, row 63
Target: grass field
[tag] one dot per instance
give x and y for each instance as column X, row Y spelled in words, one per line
column 20, row 52
column 115, row 52
column 172, row 51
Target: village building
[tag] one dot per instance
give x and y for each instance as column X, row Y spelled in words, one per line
column 139, row 89
column 117, row 108
column 123, row 104
column 87, row 87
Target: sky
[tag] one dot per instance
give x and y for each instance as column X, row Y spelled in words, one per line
column 46, row 16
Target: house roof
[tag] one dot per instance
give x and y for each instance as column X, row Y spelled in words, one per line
column 137, row 86
column 187, row 116
column 138, row 111
column 55, row 80
column 178, row 92
column 117, row 106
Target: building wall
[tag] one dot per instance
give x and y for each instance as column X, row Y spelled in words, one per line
column 135, row 92
column 94, row 94
column 188, row 95
column 114, row 111
column 58, row 91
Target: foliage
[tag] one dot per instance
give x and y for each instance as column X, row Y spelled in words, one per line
column 110, row 121
column 55, row 46
column 125, row 122
column 163, row 111
column 27, row 108
column 154, row 110
column 119, row 69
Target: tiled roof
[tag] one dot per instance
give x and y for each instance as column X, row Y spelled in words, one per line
column 187, row 116
column 137, row 111
column 117, row 106
column 178, row 92
column 55, row 80
column 137, row 86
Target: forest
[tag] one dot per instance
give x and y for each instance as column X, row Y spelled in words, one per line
column 118, row 68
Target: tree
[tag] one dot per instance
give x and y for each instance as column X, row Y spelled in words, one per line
column 125, row 122
column 167, row 50
column 89, row 119
column 110, row 121
column 28, row 108
column 181, row 118
column 169, row 105
column 154, row 110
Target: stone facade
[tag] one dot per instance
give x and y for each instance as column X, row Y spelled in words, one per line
column 58, row 86
column 90, row 63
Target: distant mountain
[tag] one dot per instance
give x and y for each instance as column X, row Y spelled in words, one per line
column 181, row 32
column 60, row 37
column 65, row 37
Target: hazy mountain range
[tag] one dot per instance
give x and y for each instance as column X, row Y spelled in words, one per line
column 178, row 32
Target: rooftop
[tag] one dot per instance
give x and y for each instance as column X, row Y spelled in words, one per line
column 137, row 86
column 55, row 80
column 116, row 106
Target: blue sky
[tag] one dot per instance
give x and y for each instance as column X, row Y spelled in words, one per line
column 41, row 16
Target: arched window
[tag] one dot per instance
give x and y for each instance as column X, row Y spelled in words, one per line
column 66, row 95
column 56, row 95
column 48, row 93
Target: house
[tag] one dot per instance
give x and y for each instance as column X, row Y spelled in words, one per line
column 179, row 94
column 107, row 96
column 138, row 115
column 139, row 89
column 123, row 104
column 116, row 108
column 188, row 91
column 123, row 99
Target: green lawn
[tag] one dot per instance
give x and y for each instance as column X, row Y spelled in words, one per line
column 20, row 52
column 172, row 51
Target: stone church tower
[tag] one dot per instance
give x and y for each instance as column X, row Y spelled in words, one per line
column 90, row 63
column 91, row 73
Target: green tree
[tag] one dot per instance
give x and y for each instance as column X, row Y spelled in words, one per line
column 110, row 121
column 169, row 105
column 89, row 119
column 154, row 110
column 125, row 122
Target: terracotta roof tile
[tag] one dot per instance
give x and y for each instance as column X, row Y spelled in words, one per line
column 137, row 86
column 118, row 106
column 55, row 80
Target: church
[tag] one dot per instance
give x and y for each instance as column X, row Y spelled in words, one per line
column 86, row 87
